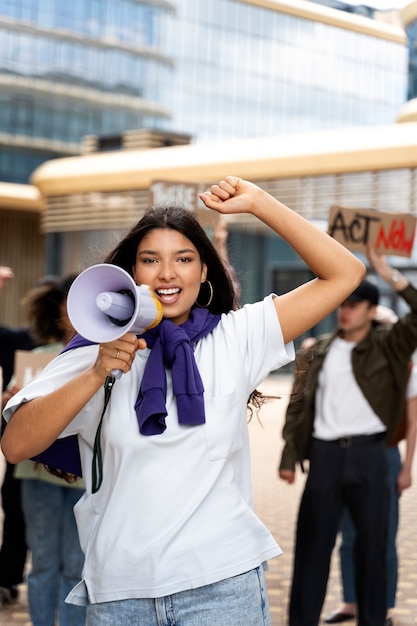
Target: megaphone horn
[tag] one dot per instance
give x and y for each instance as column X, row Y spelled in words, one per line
column 104, row 303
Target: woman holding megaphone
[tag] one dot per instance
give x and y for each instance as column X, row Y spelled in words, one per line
column 166, row 523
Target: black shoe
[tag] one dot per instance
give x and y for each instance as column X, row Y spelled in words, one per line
column 8, row 595
column 337, row 617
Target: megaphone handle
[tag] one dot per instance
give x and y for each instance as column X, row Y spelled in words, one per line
column 116, row 373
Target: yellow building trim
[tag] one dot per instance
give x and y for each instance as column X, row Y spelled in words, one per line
column 333, row 17
column 408, row 13
column 327, row 152
column 20, row 197
column 408, row 112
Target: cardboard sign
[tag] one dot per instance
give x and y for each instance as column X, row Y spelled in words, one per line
column 389, row 233
column 28, row 365
column 165, row 192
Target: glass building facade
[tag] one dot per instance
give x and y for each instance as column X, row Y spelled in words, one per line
column 69, row 69
column 245, row 70
column 213, row 69
column 359, row 9
column 411, row 30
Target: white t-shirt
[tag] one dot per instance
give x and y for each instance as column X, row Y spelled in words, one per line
column 341, row 408
column 174, row 510
column 412, row 384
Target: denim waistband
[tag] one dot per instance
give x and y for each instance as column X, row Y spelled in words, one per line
column 354, row 440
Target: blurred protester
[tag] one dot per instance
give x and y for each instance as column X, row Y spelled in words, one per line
column 13, row 548
column 48, row 501
column 347, row 397
column 399, row 479
column 220, row 235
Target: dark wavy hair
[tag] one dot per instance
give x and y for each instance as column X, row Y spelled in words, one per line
column 177, row 218
column 225, row 294
column 42, row 308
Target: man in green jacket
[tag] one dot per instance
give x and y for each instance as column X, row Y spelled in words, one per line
column 348, row 394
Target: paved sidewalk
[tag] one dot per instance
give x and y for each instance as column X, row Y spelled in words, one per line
column 277, row 504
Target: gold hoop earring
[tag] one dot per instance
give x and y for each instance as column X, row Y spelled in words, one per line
column 211, row 294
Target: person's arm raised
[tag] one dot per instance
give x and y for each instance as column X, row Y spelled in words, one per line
column 381, row 266
column 338, row 271
column 6, row 275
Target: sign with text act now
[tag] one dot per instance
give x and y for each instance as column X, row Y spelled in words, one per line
column 389, row 233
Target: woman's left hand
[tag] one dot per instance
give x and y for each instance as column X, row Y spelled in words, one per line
column 118, row 354
column 232, row 195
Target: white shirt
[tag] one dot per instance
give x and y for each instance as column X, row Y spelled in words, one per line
column 412, row 384
column 341, row 408
column 174, row 511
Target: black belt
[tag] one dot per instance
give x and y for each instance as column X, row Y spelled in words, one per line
column 355, row 440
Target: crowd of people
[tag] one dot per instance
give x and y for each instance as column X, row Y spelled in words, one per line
column 169, row 531
column 42, row 503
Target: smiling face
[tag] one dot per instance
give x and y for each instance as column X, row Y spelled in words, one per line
column 170, row 264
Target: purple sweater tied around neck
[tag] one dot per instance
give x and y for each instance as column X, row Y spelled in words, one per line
column 171, row 347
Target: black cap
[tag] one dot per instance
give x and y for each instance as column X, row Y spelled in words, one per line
column 365, row 291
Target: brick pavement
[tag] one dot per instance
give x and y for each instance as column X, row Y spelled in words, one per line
column 277, row 504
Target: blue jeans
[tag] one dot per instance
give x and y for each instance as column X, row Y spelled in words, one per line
column 57, row 559
column 231, row 602
column 348, row 538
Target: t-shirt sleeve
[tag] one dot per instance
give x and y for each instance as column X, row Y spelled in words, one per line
column 257, row 334
column 59, row 371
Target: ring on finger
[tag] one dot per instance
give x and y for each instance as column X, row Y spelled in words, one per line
column 117, row 354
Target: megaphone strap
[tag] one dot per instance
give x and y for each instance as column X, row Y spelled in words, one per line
column 97, row 464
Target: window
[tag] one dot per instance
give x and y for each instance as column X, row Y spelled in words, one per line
column 22, row 116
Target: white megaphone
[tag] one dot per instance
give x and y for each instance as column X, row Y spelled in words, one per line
column 104, row 303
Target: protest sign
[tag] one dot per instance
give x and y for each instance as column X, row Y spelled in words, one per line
column 28, row 365
column 185, row 194
column 389, row 233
